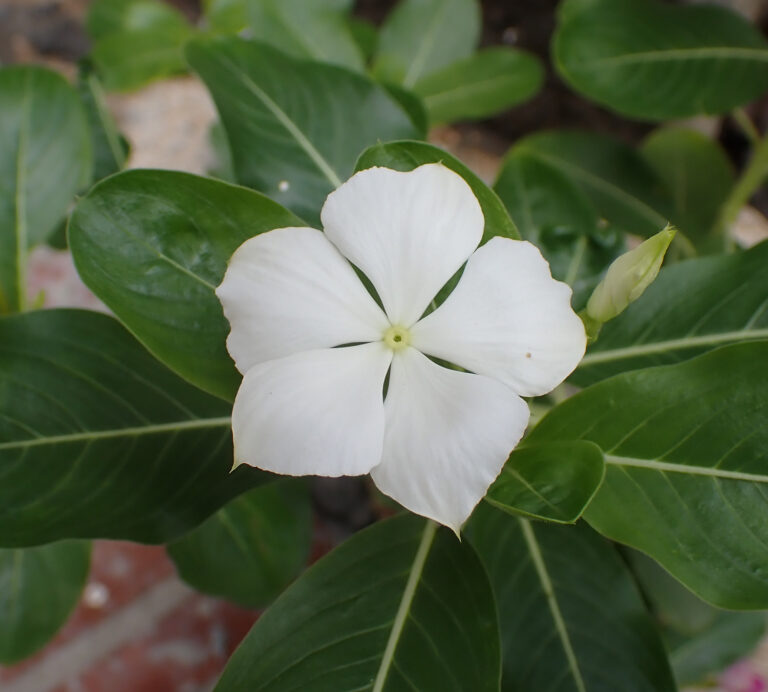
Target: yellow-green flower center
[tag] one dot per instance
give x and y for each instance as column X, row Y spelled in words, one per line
column 397, row 337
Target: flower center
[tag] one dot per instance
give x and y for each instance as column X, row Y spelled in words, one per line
column 397, row 337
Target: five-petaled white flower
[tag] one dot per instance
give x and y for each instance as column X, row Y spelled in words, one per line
column 315, row 348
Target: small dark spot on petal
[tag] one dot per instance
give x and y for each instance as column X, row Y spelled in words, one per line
column 528, row 355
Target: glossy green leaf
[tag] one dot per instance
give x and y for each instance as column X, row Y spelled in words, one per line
column 731, row 637
column 401, row 605
column 153, row 245
column 226, row 16
column 99, row 440
column 252, row 548
column 687, row 472
column 691, row 307
column 39, row 588
column 481, row 85
column 296, row 128
column 422, row 36
column 549, row 481
column 555, row 215
column 110, row 148
column 45, row 157
column 650, row 59
column 571, row 617
column 624, row 188
column 405, row 156
column 699, row 176
column 307, row 29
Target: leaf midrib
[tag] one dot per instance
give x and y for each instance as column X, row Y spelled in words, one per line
column 671, row 54
column 685, row 469
column 414, row 576
column 599, row 183
column 293, row 129
column 681, row 344
column 462, row 90
column 417, row 65
column 546, row 584
column 92, row 435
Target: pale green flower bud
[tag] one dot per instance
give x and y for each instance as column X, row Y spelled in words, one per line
column 628, row 277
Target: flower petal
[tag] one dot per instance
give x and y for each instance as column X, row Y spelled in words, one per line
column 313, row 413
column 447, row 437
column 508, row 319
column 408, row 232
column 288, row 291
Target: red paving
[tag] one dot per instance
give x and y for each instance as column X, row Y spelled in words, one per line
column 166, row 637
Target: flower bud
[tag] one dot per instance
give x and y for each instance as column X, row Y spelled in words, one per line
column 627, row 278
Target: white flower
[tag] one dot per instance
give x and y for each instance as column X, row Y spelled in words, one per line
column 315, row 348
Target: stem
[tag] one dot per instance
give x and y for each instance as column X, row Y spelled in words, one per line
column 576, row 260
column 20, row 203
column 751, row 179
column 746, row 125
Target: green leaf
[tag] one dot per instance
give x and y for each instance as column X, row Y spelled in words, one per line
column 136, row 41
column 153, row 245
column 110, row 148
column 702, row 640
column 571, row 617
column 106, row 17
column 405, row 156
column 296, row 128
column 691, row 307
column 699, row 175
column 422, row 36
column 39, row 588
column 732, row 636
column 99, row 440
column 109, row 17
column 648, row 59
column 549, row 481
column 481, row 85
column 226, row 16
column 45, row 157
column 675, row 607
column 401, row 605
column 307, row 29
column 685, row 448
column 366, row 36
column 624, row 188
column 252, row 548
column 411, row 104
column 130, row 59
column 221, row 167
column 555, row 215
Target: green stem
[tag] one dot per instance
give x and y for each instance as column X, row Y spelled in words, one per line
column 20, row 203
column 751, row 179
column 746, row 125
column 576, row 260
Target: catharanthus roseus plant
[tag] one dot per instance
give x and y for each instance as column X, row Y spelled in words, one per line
column 353, row 300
